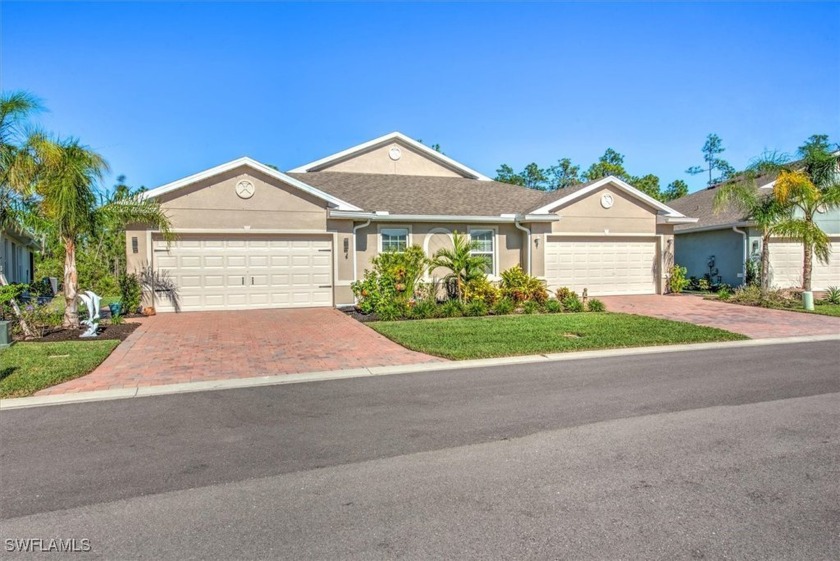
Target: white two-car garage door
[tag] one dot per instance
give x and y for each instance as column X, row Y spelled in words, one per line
column 602, row 266
column 244, row 272
column 786, row 257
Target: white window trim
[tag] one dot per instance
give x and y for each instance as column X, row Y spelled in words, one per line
column 495, row 229
column 379, row 229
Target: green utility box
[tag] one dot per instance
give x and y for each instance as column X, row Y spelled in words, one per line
column 5, row 334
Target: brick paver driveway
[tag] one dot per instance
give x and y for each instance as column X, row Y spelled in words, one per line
column 757, row 323
column 200, row 346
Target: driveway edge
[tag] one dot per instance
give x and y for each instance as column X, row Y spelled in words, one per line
column 213, row 385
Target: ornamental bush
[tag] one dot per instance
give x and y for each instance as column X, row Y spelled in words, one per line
column 677, row 280
column 391, row 283
column 130, row 293
column 595, row 305
column 521, row 287
column 481, row 289
column 553, row 306
column 572, row 304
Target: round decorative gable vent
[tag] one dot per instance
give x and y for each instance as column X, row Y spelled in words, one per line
column 395, row 153
column 245, row 189
column 607, row 200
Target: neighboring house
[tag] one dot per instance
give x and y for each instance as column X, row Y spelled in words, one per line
column 16, row 255
column 729, row 239
column 252, row 237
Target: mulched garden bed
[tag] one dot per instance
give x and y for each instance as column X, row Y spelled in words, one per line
column 359, row 316
column 119, row 332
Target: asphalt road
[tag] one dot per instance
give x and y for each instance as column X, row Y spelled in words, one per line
column 731, row 454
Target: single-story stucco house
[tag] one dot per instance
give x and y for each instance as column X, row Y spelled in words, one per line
column 727, row 239
column 17, row 255
column 249, row 236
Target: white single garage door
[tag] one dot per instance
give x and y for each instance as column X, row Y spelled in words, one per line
column 247, row 272
column 602, row 266
column 786, row 259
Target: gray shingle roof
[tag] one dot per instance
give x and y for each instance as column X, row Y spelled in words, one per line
column 447, row 196
column 701, row 205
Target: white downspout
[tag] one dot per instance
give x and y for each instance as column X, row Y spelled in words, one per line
column 744, row 259
column 355, row 229
column 527, row 244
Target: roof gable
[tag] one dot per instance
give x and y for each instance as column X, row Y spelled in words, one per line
column 565, row 197
column 442, row 161
column 253, row 164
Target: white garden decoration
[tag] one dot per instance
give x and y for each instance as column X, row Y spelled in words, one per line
column 91, row 301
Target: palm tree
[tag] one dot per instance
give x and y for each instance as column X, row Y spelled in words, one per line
column 761, row 208
column 17, row 161
column 464, row 265
column 66, row 196
column 809, row 186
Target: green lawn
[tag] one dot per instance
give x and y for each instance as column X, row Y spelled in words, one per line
column 26, row 368
column 464, row 338
column 827, row 309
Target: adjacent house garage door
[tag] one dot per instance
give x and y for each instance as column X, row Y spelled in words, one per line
column 614, row 266
column 235, row 273
column 786, row 266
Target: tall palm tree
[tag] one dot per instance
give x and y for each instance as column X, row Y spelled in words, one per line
column 758, row 207
column 797, row 189
column 66, row 193
column 17, row 164
column 465, row 267
column 809, row 186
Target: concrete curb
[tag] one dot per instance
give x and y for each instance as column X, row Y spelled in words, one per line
column 213, row 385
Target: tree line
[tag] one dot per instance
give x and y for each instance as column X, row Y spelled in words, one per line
column 565, row 173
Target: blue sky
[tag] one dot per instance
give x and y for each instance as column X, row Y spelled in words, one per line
column 164, row 90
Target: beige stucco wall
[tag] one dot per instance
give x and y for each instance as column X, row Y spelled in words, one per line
column 509, row 241
column 628, row 215
column 213, row 203
column 379, row 161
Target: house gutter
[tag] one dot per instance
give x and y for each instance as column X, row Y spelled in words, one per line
column 517, row 223
column 387, row 217
column 744, row 259
column 355, row 229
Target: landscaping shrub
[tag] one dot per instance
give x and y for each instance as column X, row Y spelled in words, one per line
column 522, row 287
column 39, row 318
column 677, row 280
column 387, row 287
column 564, row 292
column 572, row 304
column 8, row 293
column 117, row 320
column 553, row 306
column 426, row 308
column 452, row 309
column 393, row 310
column 476, row 308
column 530, row 307
column 130, row 293
column 725, row 292
column 749, row 294
column 503, row 307
column 481, row 289
column 595, row 305
column 832, row 295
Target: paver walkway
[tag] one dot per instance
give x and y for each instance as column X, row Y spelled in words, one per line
column 757, row 323
column 201, row 346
